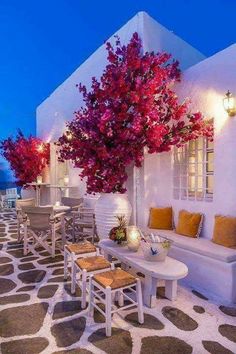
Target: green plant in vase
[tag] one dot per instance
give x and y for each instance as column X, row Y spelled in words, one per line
column 118, row 233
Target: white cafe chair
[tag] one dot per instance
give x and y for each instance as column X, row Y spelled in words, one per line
column 41, row 228
column 30, row 202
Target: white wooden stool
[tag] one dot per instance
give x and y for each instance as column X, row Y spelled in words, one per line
column 110, row 283
column 73, row 250
column 86, row 267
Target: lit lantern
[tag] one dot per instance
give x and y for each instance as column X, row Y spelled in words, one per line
column 40, row 148
column 229, row 104
column 39, row 180
column 66, row 180
column 133, row 238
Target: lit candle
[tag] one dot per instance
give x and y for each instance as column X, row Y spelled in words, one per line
column 57, row 204
column 39, row 179
column 66, row 180
column 133, row 238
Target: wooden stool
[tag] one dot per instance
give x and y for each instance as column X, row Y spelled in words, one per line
column 71, row 251
column 110, row 283
column 86, row 267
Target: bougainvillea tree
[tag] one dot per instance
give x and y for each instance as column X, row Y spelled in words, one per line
column 27, row 157
column 133, row 106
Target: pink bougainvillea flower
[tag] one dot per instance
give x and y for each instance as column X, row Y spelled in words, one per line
column 131, row 107
column 27, row 157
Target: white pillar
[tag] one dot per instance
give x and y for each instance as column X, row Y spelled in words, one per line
column 135, row 195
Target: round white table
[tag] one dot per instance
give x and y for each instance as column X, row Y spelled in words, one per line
column 61, row 208
column 57, row 208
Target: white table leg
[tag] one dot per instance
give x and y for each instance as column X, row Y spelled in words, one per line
column 63, row 231
column 107, row 256
column 171, row 289
column 149, row 291
column 61, row 194
column 37, row 196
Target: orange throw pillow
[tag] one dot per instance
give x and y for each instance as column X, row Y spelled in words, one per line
column 224, row 233
column 161, row 218
column 189, row 224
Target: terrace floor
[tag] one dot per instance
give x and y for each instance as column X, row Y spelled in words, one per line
column 39, row 315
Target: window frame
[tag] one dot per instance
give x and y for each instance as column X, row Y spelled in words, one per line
column 193, row 170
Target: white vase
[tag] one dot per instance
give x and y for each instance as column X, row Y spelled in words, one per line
column 107, row 207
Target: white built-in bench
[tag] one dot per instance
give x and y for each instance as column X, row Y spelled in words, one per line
column 212, row 268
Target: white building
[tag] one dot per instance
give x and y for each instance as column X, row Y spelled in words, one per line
column 204, row 81
column 205, row 180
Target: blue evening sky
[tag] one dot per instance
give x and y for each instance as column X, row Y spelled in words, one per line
column 43, row 42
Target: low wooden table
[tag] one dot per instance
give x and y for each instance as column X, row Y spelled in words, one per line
column 170, row 270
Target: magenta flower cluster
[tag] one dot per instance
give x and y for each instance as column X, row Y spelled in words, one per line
column 27, row 156
column 133, row 106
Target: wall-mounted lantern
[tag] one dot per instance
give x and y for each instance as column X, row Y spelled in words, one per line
column 229, row 104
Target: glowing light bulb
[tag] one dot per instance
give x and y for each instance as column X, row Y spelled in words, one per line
column 133, row 238
column 40, row 148
column 39, row 179
column 69, row 135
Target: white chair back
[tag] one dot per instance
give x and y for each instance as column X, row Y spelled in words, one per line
column 72, row 202
column 86, row 214
column 30, row 202
column 2, row 200
column 11, row 193
column 39, row 217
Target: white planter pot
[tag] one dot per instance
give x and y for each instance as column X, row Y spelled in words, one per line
column 90, row 200
column 107, row 207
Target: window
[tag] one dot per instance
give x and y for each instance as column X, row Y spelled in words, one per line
column 194, row 170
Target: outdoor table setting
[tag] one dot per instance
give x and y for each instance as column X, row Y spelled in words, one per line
column 59, row 212
column 44, row 223
column 148, row 255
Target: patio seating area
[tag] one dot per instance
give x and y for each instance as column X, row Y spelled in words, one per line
column 39, row 314
column 118, row 211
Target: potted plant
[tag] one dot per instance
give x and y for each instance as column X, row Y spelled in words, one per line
column 131, row 108
column 118, row 233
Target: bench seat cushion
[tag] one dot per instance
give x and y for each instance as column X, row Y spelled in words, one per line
column 201, row 246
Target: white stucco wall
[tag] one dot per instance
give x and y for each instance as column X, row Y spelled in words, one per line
column 206, row 84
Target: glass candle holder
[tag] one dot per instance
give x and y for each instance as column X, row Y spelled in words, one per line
column 133, row 238
column 57, row 204
column 39, row 179
column 66, row 180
